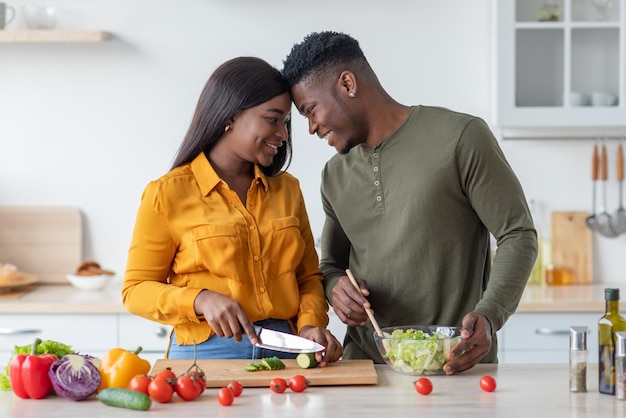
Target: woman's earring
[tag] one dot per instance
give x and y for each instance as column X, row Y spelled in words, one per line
column 351, row 94
column 227, row 128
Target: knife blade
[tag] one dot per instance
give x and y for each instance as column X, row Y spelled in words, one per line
column 288, row 343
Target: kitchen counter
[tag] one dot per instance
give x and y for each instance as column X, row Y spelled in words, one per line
column 522, row 391
column 65, row 299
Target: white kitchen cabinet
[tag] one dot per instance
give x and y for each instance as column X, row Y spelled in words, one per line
column 544, row 338
column 153, row 337
column 88, row 334
column 549, row 71
column 52, row 36
column 92, row 334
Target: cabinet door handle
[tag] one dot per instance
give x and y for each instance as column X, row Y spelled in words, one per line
column 548, row 331
column 160, row 332
column 11, row 331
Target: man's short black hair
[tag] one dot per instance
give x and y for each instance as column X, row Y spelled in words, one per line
column 319, row 52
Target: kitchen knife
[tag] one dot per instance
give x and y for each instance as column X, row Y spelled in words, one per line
column 288, row 343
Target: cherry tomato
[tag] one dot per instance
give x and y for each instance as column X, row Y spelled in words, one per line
column 140, row 383
column 160, row 390
column 488, row 383
column 278, row 385
column 225, row 396
column 423, row 386
column 165, row 374
column 199, row 379
column 298, row 383
column 186, row 387
column 235, row 387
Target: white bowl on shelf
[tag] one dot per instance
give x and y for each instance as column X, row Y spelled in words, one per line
column 39, row 16
column 95, row 282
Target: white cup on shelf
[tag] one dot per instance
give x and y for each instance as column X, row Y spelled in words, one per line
column 39, row 16
column 577, row 98
column 603, row 98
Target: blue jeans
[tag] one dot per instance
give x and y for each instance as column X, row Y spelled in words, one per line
column 228, row 348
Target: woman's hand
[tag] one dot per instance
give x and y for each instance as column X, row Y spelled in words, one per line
column 333, row 351
column 224, row 315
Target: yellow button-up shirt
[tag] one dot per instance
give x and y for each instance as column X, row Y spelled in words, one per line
column 193, row 232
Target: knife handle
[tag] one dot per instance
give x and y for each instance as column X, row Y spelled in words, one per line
column 369, row 312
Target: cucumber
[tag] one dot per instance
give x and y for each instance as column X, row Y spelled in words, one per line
column 268, row 363
column 125, row 398
column 306, row 360
column 272, row 363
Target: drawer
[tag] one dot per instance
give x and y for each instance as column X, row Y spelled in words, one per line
column 544, row 338
column 88, row 334
column 135, row 331
column 529, row 331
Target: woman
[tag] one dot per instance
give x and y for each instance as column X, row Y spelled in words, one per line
column 223, row 240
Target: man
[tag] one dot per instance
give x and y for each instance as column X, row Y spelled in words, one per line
column 410, row 202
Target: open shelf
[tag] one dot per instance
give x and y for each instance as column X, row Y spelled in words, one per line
column 52, row 36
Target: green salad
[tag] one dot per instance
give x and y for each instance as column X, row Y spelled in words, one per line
column 417, row 352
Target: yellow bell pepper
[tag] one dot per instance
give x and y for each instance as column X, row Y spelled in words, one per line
column 119, row 366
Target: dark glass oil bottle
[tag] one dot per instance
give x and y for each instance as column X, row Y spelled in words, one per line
column 608, row 325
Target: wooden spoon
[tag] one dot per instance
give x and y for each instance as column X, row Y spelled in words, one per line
column 369, row 312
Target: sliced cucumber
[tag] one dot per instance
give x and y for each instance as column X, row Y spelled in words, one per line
column 306, row 360
column 125, row 398
column 272, row 363
column 269, row 363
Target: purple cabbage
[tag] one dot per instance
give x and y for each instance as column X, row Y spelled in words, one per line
column 75, row 377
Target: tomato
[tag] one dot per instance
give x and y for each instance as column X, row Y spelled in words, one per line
column 278, row 385
column 225, row 396
column 423, row 386
column 140, row 383
column 298, row 383
column 488, row 383
column 165, row 374
column 236, row 388
column 160, row 390
column 198, row 378
column 186, row 387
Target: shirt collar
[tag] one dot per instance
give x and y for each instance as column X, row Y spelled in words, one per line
column 208, row 179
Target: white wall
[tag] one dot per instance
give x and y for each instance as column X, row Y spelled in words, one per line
column 89, row 125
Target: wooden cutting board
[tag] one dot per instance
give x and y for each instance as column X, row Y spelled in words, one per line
column 220, row 372
column 572, row 247
column 44, row 241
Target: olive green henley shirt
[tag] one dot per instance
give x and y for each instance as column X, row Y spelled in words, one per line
column 413, row 217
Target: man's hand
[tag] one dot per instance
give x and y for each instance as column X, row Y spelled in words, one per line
column 348, row 303
column 475, row 344
column 333, row 351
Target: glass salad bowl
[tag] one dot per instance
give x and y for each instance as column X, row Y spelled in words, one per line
column 417, row 349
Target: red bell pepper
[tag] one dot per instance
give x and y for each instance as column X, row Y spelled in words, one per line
column 28, row 374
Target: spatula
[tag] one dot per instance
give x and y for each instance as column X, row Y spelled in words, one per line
column 369, row 312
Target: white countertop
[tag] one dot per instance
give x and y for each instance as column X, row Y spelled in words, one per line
column 522, row 391
column 65, row 299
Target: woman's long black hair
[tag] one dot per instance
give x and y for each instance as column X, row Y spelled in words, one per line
column 238, row 84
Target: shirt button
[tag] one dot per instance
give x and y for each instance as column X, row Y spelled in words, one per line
column 375, row 155
column 379, row 198
column 376, row 183
column 251, row 227
column 256, row 258
column 262, row 290
column 375, row 169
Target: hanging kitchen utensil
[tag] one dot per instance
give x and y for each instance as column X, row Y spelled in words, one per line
column 619, row 218
column 603, row 219
column 591, row 220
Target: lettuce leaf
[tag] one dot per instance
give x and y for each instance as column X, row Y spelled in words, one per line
column 45, row 347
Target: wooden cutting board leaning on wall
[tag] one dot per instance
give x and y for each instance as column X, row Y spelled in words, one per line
column 44, row 241
column 572, row 246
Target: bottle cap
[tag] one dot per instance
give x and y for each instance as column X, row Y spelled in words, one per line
column 611, row 294
column 620, row 346
column 578, row 338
